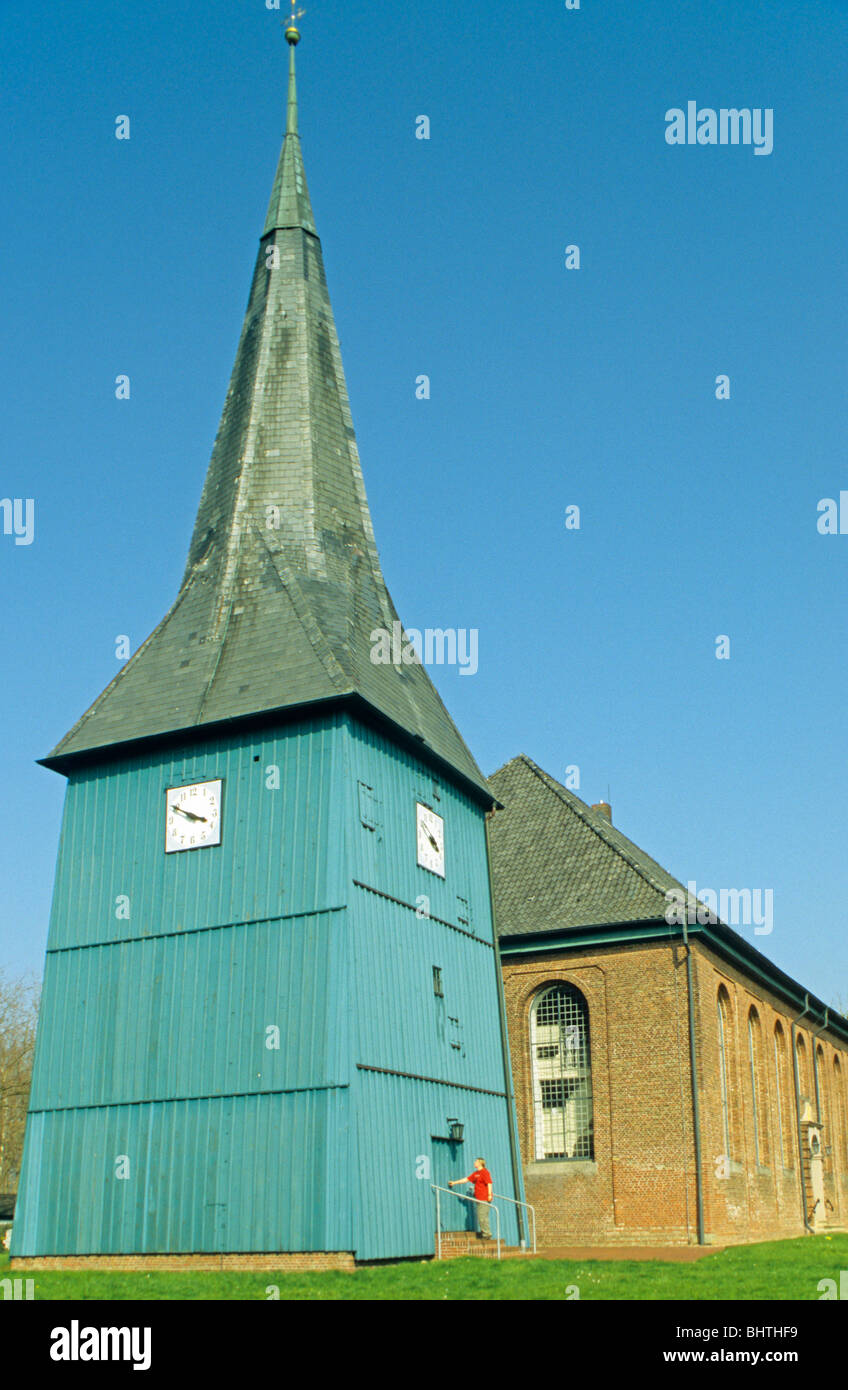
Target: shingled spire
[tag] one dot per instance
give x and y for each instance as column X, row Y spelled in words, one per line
column 290, row 205
column 283, row 587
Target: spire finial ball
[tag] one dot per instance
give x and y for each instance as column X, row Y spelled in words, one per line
column 293, row 35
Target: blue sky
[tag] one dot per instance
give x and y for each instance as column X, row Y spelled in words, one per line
column 549, row 388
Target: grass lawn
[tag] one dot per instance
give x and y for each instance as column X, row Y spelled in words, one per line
column 788, row 1269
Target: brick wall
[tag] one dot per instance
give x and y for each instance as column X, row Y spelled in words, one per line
column 762, row 1198
column 279, row 1263
column 640, row 1185
column 459, row 1244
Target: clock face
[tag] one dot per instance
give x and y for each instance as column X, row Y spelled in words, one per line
column 192, row 816
column 431, row 840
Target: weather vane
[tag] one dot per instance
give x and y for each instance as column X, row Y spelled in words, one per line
column 292, row 33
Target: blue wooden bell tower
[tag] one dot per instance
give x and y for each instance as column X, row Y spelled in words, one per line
column 272, row 1002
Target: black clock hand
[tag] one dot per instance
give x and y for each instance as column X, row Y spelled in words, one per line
column 189, row 815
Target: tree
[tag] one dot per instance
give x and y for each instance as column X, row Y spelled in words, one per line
column 19, row 1001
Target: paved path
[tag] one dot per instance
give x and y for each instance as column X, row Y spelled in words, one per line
column 682, row 1253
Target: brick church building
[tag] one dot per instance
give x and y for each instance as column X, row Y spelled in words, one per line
column 672, row 1085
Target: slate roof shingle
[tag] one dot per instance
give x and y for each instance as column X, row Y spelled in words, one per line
column 557, row 864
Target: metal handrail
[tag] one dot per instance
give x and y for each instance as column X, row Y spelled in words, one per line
column 501, row 1196
column 462, row 1198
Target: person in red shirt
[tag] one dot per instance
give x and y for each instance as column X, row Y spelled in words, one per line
column 481, row 1179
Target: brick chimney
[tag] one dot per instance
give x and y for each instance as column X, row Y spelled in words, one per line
column 604, row 808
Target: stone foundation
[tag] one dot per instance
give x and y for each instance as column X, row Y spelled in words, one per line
column 278, row 1263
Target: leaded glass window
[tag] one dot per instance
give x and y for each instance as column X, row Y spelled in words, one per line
column 562, row 1074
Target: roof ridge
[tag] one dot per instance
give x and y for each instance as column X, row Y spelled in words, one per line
column 315, row 635
column 601, row 830
column 519, row 757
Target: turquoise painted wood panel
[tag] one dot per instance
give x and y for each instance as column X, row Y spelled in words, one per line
column 387, row 858
column 229, row 1010
column 403, row 1024
column 404, row 921
column 241, row 1174
column 396, row 1119
column 279, row 854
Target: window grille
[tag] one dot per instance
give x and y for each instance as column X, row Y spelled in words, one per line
column 438, row 988
column 562, row 1074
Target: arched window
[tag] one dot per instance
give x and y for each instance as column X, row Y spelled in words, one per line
column 825, row 1116
column 725, row 1053
column 562, row 1074
column 840, row 1133
column 803, row 1074
column 759, row 1094
column 784, row 1092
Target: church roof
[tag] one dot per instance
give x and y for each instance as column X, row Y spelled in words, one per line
column 283, row 588
column 558, row 864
